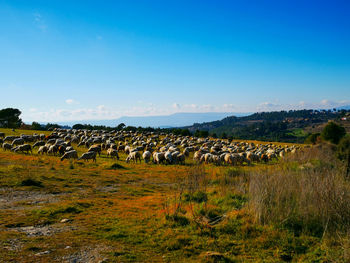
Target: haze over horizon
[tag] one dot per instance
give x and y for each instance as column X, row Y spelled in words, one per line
column 82, row 60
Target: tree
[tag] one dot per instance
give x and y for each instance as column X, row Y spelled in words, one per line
column 120, row 126
column 9, row 118
column 202, row 134
column 333, row 132
column 185, row 132
column 79, row 126
column 224, row 136
column 36, row 126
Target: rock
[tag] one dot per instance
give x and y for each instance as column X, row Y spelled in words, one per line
column 42, row 253
column 66, row 220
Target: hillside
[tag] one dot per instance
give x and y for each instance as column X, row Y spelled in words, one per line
column 287, row 126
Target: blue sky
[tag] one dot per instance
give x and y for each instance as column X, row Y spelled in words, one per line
column 76, row 60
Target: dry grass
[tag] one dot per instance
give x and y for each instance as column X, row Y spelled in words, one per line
column 120, row 213
column 308, row 195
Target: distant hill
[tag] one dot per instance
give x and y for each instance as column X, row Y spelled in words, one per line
column 288, row 126
column 347, row 107
column 165, row 121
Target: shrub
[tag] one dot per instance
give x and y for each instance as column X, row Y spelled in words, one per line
column 116, row 166
column 31, row 182
column 312, row 138
column 333, row 132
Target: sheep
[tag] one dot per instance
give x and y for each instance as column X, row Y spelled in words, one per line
column 22, row 148
column 6, row 146
column 52, row 149
column 88, row 155
column 264, row 158
column 228, row 158
column 158, row 157
column 208, row 158
column 51, row 141
column 252, row 157
column 70, row 155
column 26, row 148
column 113, row 146
column 95, row 148
column 168, row 157
column 181, row 158
column 38, row 143
column 121, row 148
column 197, row 156
column 282, row 153
column 127, row 149
column 17, row 141
column 42, row 149
column 69, row 148
column 10, row 138
column 2, row 135
column 186, row 152
column 133, row 156
column 146, row 156
column 113, row 153
column 61, row 149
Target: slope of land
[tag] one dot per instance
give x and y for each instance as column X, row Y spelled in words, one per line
column 287, row 126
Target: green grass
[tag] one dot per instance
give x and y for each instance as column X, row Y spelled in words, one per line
column 298, row 133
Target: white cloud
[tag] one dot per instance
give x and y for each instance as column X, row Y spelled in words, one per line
column 176, row 106
column 268, row 106
column 71, row 101
column 103, row 112
column 323, row 104
column 229, row 107
column 40, row 22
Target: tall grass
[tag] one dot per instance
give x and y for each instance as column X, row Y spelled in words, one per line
column 307, row 193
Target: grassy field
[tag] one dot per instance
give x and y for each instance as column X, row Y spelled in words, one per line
column 111, row 211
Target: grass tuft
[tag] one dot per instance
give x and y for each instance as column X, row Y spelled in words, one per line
column 31, row 182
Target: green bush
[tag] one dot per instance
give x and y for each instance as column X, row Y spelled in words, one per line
column 333, row 132
column 312, row 138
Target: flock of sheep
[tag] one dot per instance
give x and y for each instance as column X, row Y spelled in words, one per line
column 159, row 148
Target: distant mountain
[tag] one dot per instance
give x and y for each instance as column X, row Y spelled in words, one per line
column 164, row 121
column 346, row 107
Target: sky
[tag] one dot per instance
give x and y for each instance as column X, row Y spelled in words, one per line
column 79, row 60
